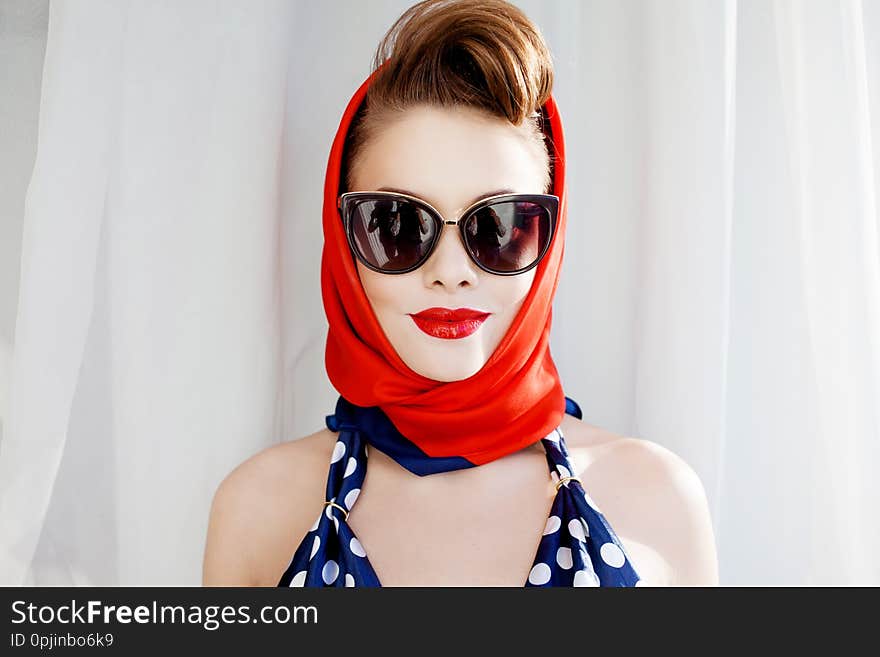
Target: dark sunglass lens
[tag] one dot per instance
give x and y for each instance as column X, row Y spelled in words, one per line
column 392, row 235
column 509, row 235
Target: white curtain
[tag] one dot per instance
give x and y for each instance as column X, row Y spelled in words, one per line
column 720, row 295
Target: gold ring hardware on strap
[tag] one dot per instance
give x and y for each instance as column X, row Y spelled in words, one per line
column 564, row 479
column 326, row 504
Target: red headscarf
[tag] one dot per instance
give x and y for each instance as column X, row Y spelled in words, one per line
column 512, row 402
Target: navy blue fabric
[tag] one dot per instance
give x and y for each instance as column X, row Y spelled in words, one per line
column 386, row 438
column 572, row 408
column 578, row 547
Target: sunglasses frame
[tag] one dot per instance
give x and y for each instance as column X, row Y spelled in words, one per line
column 549, row 202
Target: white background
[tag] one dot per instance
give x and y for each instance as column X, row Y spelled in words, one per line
column 720, row 293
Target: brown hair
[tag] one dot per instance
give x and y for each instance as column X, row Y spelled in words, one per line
column 482, row 54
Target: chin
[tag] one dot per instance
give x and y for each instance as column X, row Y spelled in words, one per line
column 444, row 374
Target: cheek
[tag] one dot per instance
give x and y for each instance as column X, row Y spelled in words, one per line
column 385, row 292
column 511, row 291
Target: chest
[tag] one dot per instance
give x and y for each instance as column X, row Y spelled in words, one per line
column 466, row 531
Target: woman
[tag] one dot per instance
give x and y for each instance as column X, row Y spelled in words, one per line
column 444, row 222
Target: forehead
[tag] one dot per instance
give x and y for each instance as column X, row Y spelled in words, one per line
column 449, row 157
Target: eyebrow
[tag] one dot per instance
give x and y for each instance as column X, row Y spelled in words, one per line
column 471, row 202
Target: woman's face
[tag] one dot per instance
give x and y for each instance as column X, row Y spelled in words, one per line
column 449, row 158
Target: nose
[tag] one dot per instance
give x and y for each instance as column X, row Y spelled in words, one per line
column 450, row 266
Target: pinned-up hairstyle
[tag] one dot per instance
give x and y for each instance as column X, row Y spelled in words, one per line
column 481, row 54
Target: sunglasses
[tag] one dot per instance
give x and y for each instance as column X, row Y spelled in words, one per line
column 394, row 233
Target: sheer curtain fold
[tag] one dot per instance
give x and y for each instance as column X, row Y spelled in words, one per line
column 64, row 209
column 720, row 294
column 687, row 171
column 151, row 220
column 823, row 71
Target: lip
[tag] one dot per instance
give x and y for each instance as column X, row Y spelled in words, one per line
column 448, row 323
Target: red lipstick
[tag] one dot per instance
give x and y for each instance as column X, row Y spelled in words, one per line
column 449, row 324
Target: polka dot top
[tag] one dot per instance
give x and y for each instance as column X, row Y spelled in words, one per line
column 577, row 548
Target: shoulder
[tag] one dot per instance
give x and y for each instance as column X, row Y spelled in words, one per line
column 652, row 496
column 263, row 508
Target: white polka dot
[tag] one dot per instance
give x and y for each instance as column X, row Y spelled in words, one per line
column 585, row 578
column 563, row 557
column 315, row 545
column 641, row 582
column 351, row 467
column 351, row 497
column 553, row 523
column 336, row 524
column 540, row 574
column 357, row 548
column 349, row 580
column 328, row 510
column 576, row 529
column 299, row 579
column 317, row 522
column 330, row 572
column 552, row 436
column 612, row 555
column 563, row 471
column 338, row 451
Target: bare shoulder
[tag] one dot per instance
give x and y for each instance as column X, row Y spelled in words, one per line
column 263, row 508
column 653, row 499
